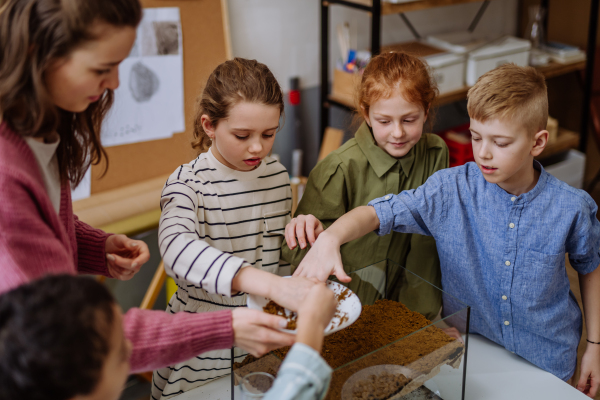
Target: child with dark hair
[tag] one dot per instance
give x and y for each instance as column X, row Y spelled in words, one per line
column 61, row 337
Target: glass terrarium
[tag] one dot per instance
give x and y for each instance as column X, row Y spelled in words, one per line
column 392, row 351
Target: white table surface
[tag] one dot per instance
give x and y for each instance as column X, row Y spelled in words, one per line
column 493, row 373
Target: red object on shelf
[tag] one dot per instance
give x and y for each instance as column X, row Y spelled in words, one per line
column 458, row 140
column 294, row 97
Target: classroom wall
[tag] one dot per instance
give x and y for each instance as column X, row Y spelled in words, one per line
column 285, row 35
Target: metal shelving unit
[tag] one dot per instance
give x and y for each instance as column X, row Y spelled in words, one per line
column 377, row 8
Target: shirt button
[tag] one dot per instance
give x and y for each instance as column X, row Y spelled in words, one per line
column 504, row 297
column 513, row 198
column 387, row 197
column 506, row 323
column 511, row 225
column 507, row 263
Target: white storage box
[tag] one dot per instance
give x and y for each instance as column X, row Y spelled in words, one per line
column 509, row 50
column 460, row 42
column 448, row 71
column 569, row 167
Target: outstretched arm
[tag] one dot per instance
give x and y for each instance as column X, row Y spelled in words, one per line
column 304, row 374
column 324, row 257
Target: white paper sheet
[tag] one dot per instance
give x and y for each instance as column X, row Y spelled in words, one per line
column 149, row 101
column 84, row 189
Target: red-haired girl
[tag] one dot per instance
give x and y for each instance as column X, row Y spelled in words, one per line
column 388, row 154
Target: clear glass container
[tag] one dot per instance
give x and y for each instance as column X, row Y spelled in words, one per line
column 421, row 362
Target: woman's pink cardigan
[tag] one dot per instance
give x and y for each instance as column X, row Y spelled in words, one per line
column 35, row 241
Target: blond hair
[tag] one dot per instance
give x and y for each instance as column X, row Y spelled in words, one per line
column 511, row 92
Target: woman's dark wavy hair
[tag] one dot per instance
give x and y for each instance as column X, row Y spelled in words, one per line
column 54, row 338
column 33, row 35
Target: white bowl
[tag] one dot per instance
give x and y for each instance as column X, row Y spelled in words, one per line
column 349, row 307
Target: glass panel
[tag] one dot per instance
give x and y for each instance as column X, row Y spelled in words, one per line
column 392, row 351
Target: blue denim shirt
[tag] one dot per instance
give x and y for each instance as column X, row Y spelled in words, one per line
column 304, row 375
column 504, row 256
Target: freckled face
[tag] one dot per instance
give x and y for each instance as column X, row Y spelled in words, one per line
column 396, row 123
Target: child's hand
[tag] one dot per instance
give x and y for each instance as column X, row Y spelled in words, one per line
column 590, row 371
column 257, row 332
column 319, row 306
column 303, row 227
column 454, row 333
column 322, row 260
column 291, row 293
column 314, row 315
column 125, row 256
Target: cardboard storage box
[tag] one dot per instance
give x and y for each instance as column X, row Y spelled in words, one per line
column 509, row 50
column 345, row 85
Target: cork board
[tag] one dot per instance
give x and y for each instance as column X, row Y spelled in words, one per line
column 205, row 45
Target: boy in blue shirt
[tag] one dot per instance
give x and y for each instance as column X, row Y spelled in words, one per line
column 502, row 227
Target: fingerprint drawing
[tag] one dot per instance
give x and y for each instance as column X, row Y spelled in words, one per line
column 167, row 37
column 143, row 82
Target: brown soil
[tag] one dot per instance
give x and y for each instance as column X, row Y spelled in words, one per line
column 379, row 387
column 276, row 309
column 378, row 326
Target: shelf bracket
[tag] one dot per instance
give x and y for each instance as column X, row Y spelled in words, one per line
column 478, row 16
column 410, row 26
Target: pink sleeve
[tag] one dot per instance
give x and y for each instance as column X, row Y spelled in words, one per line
column 160, row 339
column 91, row 253
column 29, row 246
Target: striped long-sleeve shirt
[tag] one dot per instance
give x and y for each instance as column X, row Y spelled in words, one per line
column 215, row 221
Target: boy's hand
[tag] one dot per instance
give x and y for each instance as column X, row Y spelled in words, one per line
column 314, row 316
column 292, row 292
column 454, row 333
column 322, row 260
column 303, row 227
column 589, row 380
column 125, row 256
column 258, row 332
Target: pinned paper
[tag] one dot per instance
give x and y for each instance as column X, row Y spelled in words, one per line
column 149, row 101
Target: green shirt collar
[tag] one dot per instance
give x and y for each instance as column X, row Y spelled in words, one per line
column 380, row 161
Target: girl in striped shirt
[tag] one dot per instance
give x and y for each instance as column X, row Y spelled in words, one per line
column 224, row 214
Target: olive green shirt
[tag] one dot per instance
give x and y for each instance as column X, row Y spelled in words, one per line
column 355, row 174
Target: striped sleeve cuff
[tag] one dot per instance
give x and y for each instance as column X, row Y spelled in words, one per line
column 229, row 270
